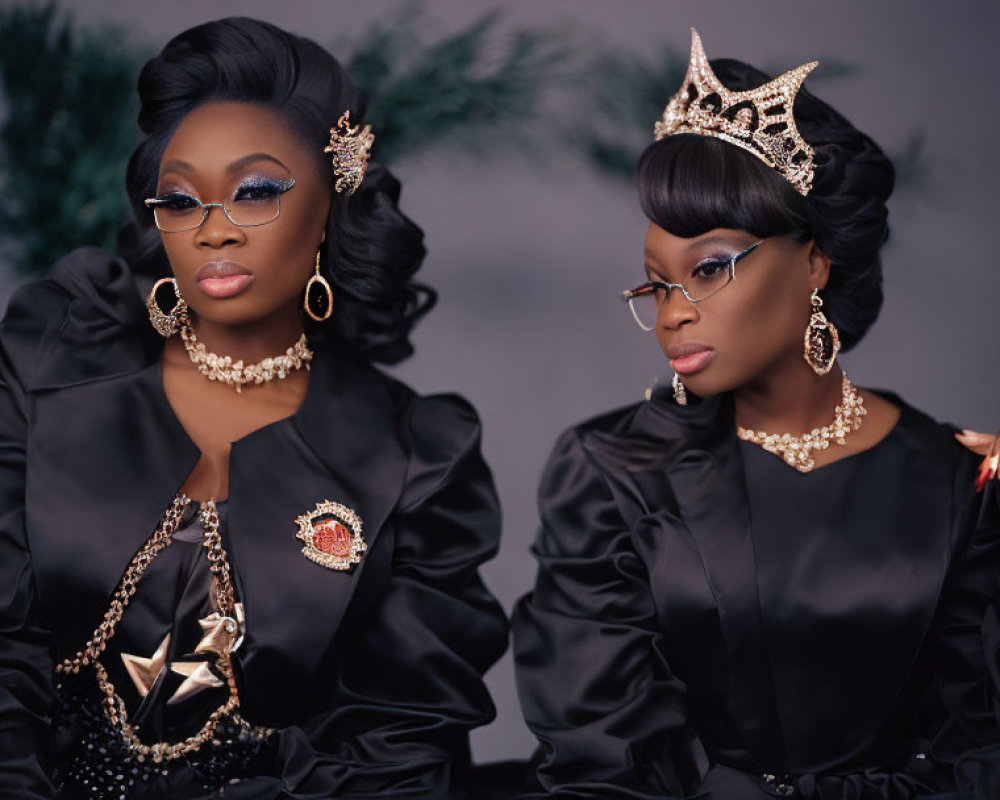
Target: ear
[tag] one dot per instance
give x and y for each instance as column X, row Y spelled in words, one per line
column 819, row 266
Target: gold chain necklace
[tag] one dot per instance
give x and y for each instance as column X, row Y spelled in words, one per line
column 798, row 450
column 238, row 374
column 225, row 601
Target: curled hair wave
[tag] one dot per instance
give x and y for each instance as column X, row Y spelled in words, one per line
column 372, row 250
column 689, row 184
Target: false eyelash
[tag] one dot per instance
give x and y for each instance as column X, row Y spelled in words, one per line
column 260, row 182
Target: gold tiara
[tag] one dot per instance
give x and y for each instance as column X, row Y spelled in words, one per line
column 758, row 120
column 351, row 148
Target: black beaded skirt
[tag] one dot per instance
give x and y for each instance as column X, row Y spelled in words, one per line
column 92, row 761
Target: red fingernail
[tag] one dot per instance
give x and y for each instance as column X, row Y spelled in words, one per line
column 987, row 471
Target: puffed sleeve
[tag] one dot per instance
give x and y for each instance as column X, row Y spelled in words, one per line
column 595, row 686
column 26, row 653
column 968, row 662
column 411, row 686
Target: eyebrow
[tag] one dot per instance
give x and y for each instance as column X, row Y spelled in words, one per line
column 176, row 165
column 710, row 241
column 240, row 163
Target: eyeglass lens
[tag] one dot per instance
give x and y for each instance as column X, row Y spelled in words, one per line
column 255, row 204
column 706, row 280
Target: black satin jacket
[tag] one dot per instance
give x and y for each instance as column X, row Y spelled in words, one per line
column 645, row 655
column 374, row 676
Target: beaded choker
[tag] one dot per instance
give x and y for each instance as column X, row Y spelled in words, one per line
column 238, row 374
column 798, row 450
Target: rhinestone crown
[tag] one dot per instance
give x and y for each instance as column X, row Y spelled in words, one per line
column 758, row 120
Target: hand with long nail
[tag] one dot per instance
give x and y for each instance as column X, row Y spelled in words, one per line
column 988, row 446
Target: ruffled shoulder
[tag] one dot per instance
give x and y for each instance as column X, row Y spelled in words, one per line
column 447, row 478
column 84, row 321
column 441, row 424
column 657, row 433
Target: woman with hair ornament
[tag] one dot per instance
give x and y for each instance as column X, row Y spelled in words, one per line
column 764, row 581
column 237, row 559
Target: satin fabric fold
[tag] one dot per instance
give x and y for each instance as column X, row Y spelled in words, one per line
column 665, row 650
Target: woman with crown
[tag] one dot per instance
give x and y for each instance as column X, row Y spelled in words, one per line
column 237, row 560
column 767, row 581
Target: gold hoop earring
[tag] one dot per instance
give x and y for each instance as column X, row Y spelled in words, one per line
column 821, row 342
column 167, row 324
column 326, row 298
column 680, row 393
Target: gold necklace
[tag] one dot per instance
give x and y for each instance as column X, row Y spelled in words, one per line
column 223, row 600
column 798, row 450
column 238, row 374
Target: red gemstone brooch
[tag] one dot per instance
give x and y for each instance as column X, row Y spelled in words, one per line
column 332, row 536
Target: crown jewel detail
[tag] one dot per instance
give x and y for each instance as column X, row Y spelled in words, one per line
column 351, row 148
column 758, row 120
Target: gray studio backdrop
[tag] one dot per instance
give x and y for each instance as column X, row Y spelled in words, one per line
column 529, row 250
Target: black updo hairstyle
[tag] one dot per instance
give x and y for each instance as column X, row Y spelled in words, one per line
column 690, row 184
column 371, row 250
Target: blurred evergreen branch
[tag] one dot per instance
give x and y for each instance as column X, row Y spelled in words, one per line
column 910, row 161
column 480, row 82
column 625, row 95
column 69, row 128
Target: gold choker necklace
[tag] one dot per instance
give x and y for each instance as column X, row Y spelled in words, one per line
column 797, row 450
column 238, row 374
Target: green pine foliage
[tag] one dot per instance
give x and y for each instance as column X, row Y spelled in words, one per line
column 624, row 95
column 910, row 160
column 70, row 111
column 481, row 83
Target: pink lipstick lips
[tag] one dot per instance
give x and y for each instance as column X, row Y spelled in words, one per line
column 688, row 358
column 221, row 279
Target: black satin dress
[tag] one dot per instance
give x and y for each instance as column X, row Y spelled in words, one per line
column 708, row 622
column 371, row 677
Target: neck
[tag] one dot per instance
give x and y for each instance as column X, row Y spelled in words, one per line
column 792, row 400
column 251, row 341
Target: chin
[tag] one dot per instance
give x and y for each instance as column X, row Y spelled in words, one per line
column 229, row 313
column 707, row 385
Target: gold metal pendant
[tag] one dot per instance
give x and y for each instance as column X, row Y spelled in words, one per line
column 145, row 671
column 332, row 536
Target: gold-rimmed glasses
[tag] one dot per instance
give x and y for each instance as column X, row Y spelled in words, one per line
column 255, row 202
column 707, row 278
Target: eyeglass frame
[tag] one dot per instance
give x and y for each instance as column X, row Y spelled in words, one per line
column 152, row 202
column 629, row 294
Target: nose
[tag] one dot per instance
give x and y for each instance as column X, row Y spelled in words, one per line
column 218, row 230
column 676, row 310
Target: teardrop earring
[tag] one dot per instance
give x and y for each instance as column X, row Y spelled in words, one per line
column 821, row 342
column 325, row 299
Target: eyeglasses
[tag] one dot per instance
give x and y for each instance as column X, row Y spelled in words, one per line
column 254, row 203
column 707, row 279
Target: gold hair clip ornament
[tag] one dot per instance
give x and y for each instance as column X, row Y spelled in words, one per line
column 332, row 536
column 351, row 148
column 758, row 120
